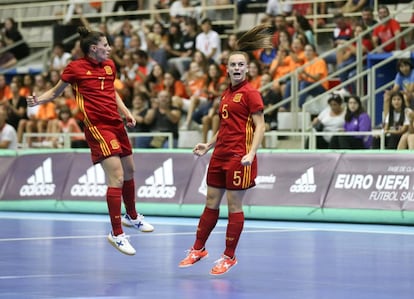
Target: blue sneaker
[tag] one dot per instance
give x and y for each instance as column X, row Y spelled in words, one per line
column 139, row 223
column 121, row 243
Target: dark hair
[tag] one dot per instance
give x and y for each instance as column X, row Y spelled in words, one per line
column 358, row 112
column 335, row 98
column 400, row 121
column 404, row 61
column 303, row 23
column 88, row 38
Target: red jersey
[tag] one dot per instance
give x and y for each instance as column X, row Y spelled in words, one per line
column 386, row 31
column 235, row 135
column 93, row 87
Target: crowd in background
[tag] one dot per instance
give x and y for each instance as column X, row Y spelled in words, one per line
column 170, row 73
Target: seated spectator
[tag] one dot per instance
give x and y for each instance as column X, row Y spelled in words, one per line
column 367, row 17
column 407, row 139
column 16, row 106
column 341, row 34
column 331, row 119
column 386, row 31
column 356, row 120
column 11, row 35
column 302, row 25
column 5, row 91
column 270, row 98
column 181, row 9
column 280, row 24
column 8, row 136
column 162, row 116
column 403, row 82
column 208, row 41
column 186, row 50
column 211, row 120
column 347, row 55
column 65, row 123
column 59, row 58
column 140, row 104
column 128, row 5
column 396, row 122
column 313, row 73
column 254, row 76
column 201, row 102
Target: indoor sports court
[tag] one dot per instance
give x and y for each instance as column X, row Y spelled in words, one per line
column 57, row 255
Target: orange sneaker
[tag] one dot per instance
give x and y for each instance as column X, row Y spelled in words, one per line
column 223, row 265
column 193, row 256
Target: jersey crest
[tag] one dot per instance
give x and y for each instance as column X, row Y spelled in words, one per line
column 237, row 97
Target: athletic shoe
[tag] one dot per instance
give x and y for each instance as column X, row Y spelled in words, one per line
column 138, row 223
column 193, row 256
column 121, row 243
column 223, row 265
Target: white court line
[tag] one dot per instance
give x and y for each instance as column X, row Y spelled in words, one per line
column 36, row 276
column 261, row 224
column 132, row 236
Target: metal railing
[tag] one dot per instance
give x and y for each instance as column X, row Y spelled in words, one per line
column 67, row 138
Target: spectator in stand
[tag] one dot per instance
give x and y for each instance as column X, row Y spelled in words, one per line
column 11, row 35
column 270, row 98
column 403, row 82
column 174, row 86
column 128, row 71
column 163, row 117
column 66, row 123
column 5, row 92
column 194, row 81
column 155, row 80
column 278, row 7
column 407, row 139
column 187, row 47
column 386, row 31
column 254, row 76
column 396, row 122
column 173, row 40
column 7, row 58
column 302, row 25
column 26, row 88
column 140, row 104
column 155, row 49
column 16, row 106
column 341, row 34
column 356, row 120
column 208, row 41
column 117, row 52
column 313, row 73
column 367, row 17
column 331, row 119
column 211, row 121
column 347, row 55
column 280, row 24
column 201, row 102
column 59, row 58
column 8, row 136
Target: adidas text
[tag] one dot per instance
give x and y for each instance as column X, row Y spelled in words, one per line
column 303, row 188
column 37, row 190
column 88, row 190
column 155, row 191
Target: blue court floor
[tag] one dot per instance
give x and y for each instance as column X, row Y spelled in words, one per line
column 68, row 256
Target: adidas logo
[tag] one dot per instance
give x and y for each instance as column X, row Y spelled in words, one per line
column 161, row 184
column 305, row 184
column 91, row 184
column 41, row 182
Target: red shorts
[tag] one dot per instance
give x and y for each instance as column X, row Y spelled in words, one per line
column 230, row 174
column 106, row 141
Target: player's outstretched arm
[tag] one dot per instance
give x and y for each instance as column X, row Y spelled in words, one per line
column 48, row 95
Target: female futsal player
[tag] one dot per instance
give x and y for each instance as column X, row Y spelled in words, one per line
column 92, row 79
column 233, row 164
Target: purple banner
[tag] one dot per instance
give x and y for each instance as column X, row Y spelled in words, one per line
column 162, row 177
column 375, row 181
column 41, row 176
